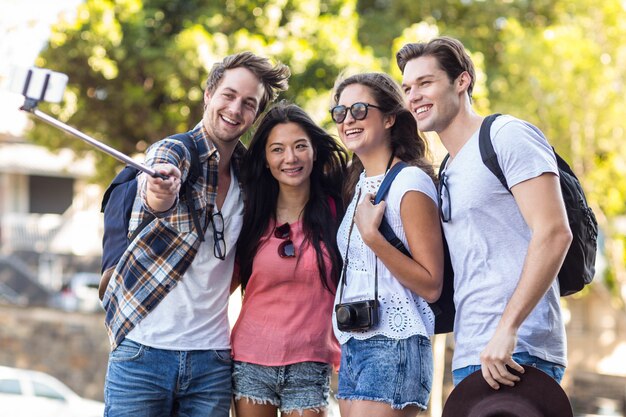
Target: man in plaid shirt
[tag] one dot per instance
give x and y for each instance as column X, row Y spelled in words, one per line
column 167, row 300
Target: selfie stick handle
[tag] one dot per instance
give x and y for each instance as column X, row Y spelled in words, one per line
column 105, row 148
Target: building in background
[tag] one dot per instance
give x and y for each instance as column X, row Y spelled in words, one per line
column 50, row 224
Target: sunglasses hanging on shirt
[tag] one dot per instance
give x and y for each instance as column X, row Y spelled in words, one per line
column 286, row 248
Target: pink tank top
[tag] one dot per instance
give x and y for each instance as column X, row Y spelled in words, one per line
column 286, row 312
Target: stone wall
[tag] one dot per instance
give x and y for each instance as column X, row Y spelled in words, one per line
column 72, row 347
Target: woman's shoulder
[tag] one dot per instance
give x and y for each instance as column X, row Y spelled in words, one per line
column 414, row 175
column 413, row 178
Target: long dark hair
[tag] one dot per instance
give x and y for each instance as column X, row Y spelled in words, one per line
column 406, row 143
column 319, row 220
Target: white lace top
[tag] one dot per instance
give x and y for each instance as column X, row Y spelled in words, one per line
column 402, row 313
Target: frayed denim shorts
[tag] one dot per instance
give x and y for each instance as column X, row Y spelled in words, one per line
column 396, row 372
column 296, row 387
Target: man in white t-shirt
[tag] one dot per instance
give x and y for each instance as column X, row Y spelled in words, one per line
column 506, row 248
column 166, row 301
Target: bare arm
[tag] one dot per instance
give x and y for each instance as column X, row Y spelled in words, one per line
column 423, row 272
column 541, row 205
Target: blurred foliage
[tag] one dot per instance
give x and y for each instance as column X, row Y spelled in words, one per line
column 137, row 67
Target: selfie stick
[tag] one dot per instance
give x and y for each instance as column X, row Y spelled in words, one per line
column 30, row 105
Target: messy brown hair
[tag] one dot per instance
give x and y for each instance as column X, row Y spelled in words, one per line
column 275, row 78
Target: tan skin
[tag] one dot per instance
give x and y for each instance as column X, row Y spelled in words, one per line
column 539, row 199
column 229, row 112
column 423, row 272
column 419, row 230
column 424, row 243
column 248, row 409
column 374, row 408
column 290, row 156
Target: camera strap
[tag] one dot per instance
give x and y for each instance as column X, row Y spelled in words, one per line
column 342, row 279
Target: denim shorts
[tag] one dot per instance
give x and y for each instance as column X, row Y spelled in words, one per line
column 555, row 371
column 296, row 387
column 396, row 372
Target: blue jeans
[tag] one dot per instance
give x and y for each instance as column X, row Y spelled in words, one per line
column 395, row 372
column 146, row 382
column 555, row 371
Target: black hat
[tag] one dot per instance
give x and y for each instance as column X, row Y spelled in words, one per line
column 535, row 395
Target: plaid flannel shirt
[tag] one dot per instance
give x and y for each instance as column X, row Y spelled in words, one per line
column 156, row 260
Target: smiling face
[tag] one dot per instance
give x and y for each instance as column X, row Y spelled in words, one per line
column 231, row 109
column 432, row 98
column 290, row 155
column 368, row 135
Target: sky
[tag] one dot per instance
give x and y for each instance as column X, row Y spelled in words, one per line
column 24, row 30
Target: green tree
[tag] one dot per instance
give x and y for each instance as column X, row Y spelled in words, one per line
column 137, row 67
column 561, row 67
column 569, row 78
column 132, row 75
column 475, row 22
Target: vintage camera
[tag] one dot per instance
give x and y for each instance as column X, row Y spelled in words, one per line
column 360, row 315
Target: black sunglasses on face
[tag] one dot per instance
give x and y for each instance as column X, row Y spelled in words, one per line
column 445, row 210
column 219, row 246
column 286, row 248
column 358, row 111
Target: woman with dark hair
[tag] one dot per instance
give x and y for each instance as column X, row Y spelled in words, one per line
column 382, row 318
column 289, row 264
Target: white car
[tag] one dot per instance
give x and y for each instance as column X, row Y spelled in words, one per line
column 80, row 294
column 25, row 393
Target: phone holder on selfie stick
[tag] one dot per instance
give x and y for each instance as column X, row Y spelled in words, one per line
column 41, row 81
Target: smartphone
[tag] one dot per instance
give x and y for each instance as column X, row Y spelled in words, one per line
column 38, row 83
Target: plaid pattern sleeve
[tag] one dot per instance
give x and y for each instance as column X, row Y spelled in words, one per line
column 158, row 258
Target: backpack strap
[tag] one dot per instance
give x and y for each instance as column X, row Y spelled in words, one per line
column 384, row 227
column 185, row 188
column 194, row 173
column 190, row 143
column 487, row 153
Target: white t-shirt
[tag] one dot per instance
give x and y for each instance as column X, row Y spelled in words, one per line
column 402, row 313
column 194, row 315
column 488, row 241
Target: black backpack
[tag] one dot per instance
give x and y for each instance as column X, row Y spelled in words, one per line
column 578, row 267
column 117, row 205
column 443, row 308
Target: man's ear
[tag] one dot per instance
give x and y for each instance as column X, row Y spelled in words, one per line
column 463, row 81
